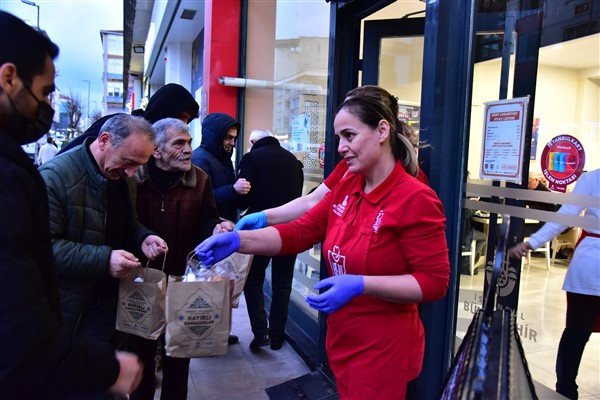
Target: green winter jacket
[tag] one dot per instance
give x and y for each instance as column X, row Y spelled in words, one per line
column 77, row 201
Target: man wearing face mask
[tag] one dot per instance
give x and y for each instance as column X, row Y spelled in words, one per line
column 97, row 237
column 38, row 357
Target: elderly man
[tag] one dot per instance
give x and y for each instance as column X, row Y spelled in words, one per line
column 40, row 359
column 93, row 222
column 176, row 200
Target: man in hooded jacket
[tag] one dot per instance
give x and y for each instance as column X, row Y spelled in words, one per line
column 213, row 156
column 219, row 134
column 170, row 101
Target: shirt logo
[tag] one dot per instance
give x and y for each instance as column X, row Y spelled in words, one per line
column 338, row 209
column 337, row 261
column 377, row 221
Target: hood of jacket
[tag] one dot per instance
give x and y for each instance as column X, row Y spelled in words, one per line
column 214, row 128
column 169, row 102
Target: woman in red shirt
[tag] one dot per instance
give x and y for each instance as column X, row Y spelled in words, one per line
column 384, row 244
column 297, row 207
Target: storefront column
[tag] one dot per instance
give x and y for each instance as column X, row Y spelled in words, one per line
column 178, row 64
column 221, row 55
column 445, row 99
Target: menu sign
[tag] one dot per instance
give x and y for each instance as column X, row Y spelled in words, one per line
column 503, row 139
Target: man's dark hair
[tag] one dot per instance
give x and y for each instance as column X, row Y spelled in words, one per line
column 24, row 46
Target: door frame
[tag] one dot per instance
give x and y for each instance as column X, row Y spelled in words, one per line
column 447, row 68
column 376, row 30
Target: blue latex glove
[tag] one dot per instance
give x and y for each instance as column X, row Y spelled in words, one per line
column 252, row 221
column 217, row 247
column 340, row 290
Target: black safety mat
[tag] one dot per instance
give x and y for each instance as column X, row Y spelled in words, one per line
column 313, row 386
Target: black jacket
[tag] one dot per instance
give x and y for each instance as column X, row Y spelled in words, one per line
column 38, row 359
column 275, row 174
column 212, row 158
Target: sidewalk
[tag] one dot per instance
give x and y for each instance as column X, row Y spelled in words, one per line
column 242, row 374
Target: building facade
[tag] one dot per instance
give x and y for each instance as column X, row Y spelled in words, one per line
column 112, row 76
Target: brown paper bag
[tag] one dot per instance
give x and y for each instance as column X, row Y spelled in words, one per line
column 141, row 308
column 237, row 265
column 198, row 318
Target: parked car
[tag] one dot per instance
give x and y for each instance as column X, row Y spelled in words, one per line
column 30, row 150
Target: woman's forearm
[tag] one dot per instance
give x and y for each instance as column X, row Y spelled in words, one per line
column 295, row 208
column 395, row 288
column 264, row 242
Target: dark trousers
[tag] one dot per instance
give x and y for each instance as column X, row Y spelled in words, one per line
column 98, row 320
column 582, row 313
column 97, row 323
column 282, row 273
column 175, row 371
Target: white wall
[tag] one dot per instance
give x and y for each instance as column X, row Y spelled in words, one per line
column 178, row 60
column 567, row 102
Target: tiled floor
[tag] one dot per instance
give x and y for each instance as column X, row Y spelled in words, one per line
column 242, row 374
column 541, row 315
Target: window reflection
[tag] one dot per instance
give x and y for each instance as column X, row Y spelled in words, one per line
column 288, row 46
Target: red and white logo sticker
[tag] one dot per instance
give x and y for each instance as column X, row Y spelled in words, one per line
column 563, row 159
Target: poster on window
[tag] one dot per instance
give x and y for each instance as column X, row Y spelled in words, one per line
column 503, row 139
column 300, row 131
column 563, row 159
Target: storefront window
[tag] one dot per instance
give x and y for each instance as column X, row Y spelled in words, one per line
column 566, row 104
column 286, row 67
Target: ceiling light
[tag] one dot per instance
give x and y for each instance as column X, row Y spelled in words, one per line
column 138, row 49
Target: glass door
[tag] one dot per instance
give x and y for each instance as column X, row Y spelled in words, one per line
column 549, row 52
column 393, row 59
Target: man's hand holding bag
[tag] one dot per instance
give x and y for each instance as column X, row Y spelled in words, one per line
column 141, row 307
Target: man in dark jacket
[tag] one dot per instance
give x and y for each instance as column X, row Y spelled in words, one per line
column 213, row 156
column 170, row 101
column 277, row 178
column 175, row 199
column 93, row 222
column 39, row 359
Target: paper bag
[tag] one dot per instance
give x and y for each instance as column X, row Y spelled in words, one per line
column 237, row 266
column 198, row 318
column 141, row 307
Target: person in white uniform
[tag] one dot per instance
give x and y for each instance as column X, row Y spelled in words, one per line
column 47, row 151
column 582, row 284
